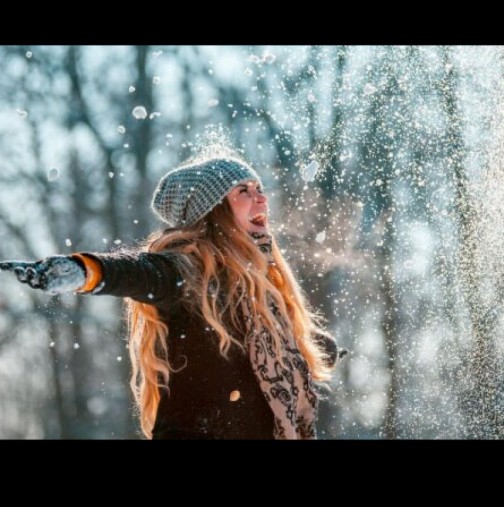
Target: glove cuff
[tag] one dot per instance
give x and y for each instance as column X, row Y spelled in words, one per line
column 94, row 273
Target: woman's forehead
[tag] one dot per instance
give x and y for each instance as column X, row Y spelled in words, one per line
column 248, row 183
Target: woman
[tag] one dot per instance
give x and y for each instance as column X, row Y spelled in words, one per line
column 222, row 341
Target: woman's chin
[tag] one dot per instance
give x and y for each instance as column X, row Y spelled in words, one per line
column 258, row 228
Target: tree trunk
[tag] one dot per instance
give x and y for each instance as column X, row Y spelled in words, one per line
column 479, row 400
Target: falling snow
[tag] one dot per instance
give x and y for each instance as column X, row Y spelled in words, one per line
column 320, row 237
column 139, row 112
column 53, row 174
column 384, row 173
column 309, row 172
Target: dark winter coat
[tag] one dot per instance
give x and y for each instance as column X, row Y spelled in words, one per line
column 211, row 397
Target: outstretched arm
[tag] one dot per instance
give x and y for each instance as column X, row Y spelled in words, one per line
column 146, row 277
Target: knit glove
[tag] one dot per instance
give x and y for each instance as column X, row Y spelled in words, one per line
column 55, row 275
column 330, row 347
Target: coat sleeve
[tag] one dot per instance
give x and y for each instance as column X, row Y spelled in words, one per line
column 150, row 278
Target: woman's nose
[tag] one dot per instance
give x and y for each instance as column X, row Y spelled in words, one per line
column 260, row 197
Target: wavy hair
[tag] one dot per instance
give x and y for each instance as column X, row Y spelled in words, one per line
column 220, row 264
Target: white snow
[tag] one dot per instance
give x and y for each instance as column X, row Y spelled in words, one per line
column 139, row 112
column 309, row 172
column 268, row 58
column 53, row 174
column 320, row 237
column 369, row 89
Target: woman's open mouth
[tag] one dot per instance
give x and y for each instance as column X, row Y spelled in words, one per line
column 259, row 219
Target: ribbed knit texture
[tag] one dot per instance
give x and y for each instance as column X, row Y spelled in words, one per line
column 187, row 193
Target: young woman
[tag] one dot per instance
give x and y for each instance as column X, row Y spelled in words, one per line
column 223, row 342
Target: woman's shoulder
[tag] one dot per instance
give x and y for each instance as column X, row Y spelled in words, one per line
column 184, row 264
column 176, row 255
column 180, row 247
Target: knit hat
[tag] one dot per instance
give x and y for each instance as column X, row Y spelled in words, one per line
column 189, row 192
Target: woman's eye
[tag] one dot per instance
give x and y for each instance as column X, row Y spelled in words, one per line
column 260, row 190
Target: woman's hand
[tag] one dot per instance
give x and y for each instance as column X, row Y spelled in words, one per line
column 55, row 275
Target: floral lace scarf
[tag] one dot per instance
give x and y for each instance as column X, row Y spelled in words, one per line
column 288, row 389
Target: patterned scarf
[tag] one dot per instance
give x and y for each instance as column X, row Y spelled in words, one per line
column 289, row 388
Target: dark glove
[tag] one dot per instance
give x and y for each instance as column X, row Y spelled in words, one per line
column 342, row 353
column 55, row 275
column 329, row 345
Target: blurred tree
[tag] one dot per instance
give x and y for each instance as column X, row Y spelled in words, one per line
column 479, row 385
column 78, row 171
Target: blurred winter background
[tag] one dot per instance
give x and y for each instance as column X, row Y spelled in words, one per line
column 384, row 169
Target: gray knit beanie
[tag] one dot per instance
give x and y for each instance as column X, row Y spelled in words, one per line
column 189, row 192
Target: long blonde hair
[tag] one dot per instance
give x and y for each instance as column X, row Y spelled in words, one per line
column 220, row 265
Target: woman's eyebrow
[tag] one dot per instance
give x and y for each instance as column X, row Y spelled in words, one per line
column 246, row 186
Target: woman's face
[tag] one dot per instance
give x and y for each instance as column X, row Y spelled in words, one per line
column 250, row 206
